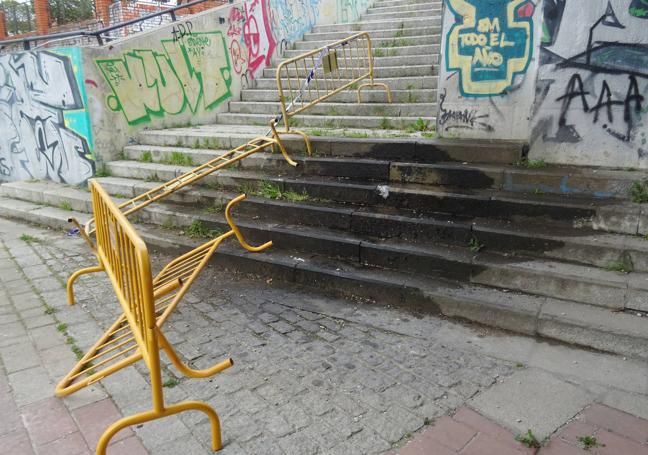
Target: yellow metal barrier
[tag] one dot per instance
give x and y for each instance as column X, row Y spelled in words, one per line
column 315, row 76
column 146, row 303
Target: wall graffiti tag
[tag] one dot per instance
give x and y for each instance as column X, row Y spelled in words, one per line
column 192, row 72
column 592, row 89
column 257, row 35
column 44, row 123
column 489, row 44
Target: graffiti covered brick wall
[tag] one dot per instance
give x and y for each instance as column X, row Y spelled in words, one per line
column 45, row 129
column 591, row 103
column 487, row 71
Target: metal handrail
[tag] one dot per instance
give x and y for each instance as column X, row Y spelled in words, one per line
column 97, row 33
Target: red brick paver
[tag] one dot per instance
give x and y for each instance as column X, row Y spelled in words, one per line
column 470, row 433
column 466, row 433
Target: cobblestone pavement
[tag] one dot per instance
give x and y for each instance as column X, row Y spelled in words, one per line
column 311, row 375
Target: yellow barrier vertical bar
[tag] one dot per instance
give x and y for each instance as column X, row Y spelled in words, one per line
column 315, row 77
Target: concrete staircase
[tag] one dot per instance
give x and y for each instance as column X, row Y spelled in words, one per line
column 431, row 225
column 405, row 36
column 467, row 229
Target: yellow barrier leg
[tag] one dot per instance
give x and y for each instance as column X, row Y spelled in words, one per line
column 153, row 415
column 282, row 148
column 74, row 276
column 375, row 84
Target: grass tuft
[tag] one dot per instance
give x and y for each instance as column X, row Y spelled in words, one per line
column 589, row 442
column 529, row 440
column 170, row 383
column 638, row 192
column 622, row 265
column 147, row 157
column 198, row 229
column 28, row 238
column 531, row 164
column 475, row 245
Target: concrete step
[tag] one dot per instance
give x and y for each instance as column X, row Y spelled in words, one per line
column 375, row 96
column 339, row 109
column 422, row 8
column 556, row 319
column 369, row 26
column 342, row 167
column 609, row 216
column 390, row 3
column 380, row 72
column 331, row 144
column 396, row 15
column 398, row 3
column 382, row 33
column 591, row 182
column 379, row 40
column 517, row 243
column 386, row 49
column 533, row 276
column 324, row 121
column 398, row 82
column 381, row 59
column 569, row 180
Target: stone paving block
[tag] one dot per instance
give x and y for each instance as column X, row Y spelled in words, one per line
column 532, row 399
column 484, row 443
column 186, row 445
column 70, row 444
column 47, row 420
column 162, row 431
column 16, row 443
column 614, row 444
column 449, row 433
column 47, row 284
column 19, row 357
column 616, row 421
column 94, row 418
column 129, row 446
column 85, row 396
column 26, row 301
column 558, row 447
column 480, row 423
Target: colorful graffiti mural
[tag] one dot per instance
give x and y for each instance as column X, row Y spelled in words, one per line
column 43, row 119
column 489, row 44
column 192, row 72
column 592, row 88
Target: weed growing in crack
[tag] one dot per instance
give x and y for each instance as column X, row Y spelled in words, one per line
column 589, row 442
column 639, row 192
column 529, row 440
column 475, row 245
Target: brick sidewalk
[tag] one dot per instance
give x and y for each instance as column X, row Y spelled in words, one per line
column 312, row 374
column 34, row 356
column 468, row 433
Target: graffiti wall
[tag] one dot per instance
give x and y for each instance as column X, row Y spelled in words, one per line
column 45, row 131
column 591, row 102
column 186, row 72
column 189, row 72
column 486, row 74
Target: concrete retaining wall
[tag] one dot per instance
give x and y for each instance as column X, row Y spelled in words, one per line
column 63, row 112
column 567, row 76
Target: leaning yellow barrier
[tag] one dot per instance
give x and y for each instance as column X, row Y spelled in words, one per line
column 317, row 75
column 146, row 303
